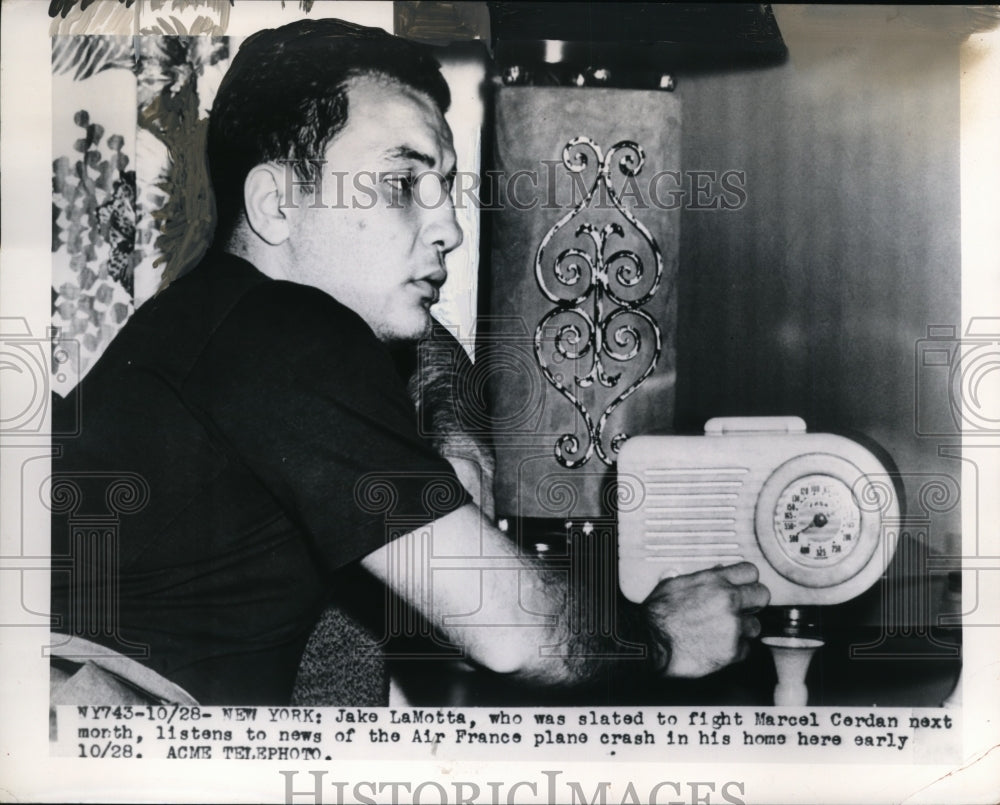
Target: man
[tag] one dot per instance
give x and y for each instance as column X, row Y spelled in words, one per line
column 258, row 401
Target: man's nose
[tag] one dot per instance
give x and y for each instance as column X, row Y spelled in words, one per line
column 442, row 230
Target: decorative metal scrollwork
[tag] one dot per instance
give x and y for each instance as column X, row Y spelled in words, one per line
column 598, row 298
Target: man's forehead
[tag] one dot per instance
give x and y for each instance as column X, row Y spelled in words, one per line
column 396, row 117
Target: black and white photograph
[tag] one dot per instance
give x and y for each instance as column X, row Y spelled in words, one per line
column 499, row 402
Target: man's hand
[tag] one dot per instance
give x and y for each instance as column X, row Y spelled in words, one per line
column 704, row 619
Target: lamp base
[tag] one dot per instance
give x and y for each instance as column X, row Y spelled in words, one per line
column 792, row 656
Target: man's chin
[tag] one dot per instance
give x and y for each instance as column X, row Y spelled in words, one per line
column 399, row 332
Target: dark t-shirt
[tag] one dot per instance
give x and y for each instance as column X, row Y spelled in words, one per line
column 277, row 444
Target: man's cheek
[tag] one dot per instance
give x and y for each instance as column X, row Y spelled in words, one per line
column 365, row 190
column 390, row 240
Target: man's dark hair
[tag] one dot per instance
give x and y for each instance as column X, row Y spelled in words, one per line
column 285, row 98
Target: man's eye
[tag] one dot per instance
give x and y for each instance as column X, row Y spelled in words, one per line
column 401, row 183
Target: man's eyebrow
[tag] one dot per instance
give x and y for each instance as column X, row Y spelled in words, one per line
column 405, row 152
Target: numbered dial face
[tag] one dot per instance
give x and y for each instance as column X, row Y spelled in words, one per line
column 817, row 521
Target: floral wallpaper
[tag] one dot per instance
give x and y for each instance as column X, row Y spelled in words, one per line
column 131, row 203
column 172, row 17
column 93, row 225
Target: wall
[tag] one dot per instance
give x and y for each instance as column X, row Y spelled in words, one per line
column 811, row 299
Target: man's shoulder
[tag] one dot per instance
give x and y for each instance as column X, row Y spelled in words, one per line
column 224, row 284
column 276, row 312
column 192, row 306
column 270, row 331
column 226, row 298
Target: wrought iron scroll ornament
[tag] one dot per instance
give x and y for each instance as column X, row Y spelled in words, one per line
column 594, row 317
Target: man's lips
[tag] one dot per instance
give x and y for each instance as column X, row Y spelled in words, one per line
column 429, row 290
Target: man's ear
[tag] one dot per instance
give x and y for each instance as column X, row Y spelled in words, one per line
column 263, row 198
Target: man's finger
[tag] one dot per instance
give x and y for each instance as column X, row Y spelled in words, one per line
column 750, row 627
column 753, row 597
column 742, row 651
column 742, row 573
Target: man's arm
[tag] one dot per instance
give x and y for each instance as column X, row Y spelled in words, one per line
column 693, row 624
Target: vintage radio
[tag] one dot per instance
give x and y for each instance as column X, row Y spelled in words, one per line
column 815, row 512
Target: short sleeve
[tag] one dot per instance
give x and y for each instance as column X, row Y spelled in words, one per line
column 297, row 388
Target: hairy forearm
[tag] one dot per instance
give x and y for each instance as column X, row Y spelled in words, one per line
column 567, row 627
column 593, row 633
column 513, row 613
